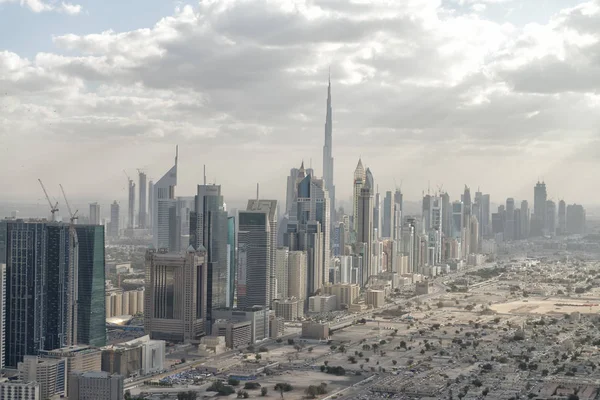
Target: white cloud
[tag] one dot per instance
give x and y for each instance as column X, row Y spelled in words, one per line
column 233, row 79
column 39, row 6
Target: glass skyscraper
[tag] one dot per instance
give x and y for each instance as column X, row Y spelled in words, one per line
column 91, row 323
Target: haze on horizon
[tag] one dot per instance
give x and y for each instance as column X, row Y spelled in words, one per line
column 488, row 93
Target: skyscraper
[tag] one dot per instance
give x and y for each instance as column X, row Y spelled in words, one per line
column 525, row 220
column 40, row 286
column 307, row 228
column 232, row 260
column 509, row 220
column 257, row 238
column 113, row 226
column 142, row 207
column 91, row 322
column 131, row 205
column 575, row 219
column 328, row 158
column 538, row 218
column 397, row 226
column 209, row 228
column 175, row 296
column 562, row 217
column 359, row 181
column 164, row 218
column 291, row 190
column 388, row 216
column 377, row 216
column 150, row 204
column 3, row 300
column 364, row 231
column 446, row 215
column 485, row 224
column 94, row 213
column 550, row 223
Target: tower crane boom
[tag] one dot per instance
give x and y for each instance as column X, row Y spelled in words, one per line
column 73, row 215
column 53, row 208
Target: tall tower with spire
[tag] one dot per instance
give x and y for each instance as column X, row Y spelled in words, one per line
column 328, row 157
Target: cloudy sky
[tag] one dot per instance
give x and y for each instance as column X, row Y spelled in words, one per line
column 491, row 93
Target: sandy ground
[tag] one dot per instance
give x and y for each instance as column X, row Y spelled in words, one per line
column 546, row 306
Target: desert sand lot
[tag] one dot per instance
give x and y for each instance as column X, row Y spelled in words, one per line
column 547, row 306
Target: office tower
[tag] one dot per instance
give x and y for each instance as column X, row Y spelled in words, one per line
column 328, row 159
column 91, row 322
column 150, row 204
column 175, row 296
column 183, row 217
column 94, row 213
column 474, row 235
column 550, row 223
column 164, row 211
column 377, row 217
column 397, row 219
column 518, row 227
column 209, row 228
column 307, row 228
column 142, row 206
column 359, row 181
column 281, row 272
column 39, row 309
column 433, row 219
column 497, row 223
column 485, row 222
column 509, row 220
column 425, row 213
column 388, row 214
column 525, row 222
column 446, row 215
column 49, row 373
column 575, row 219
column 562, row 217
column 257, row 235
column 113, row 226
column 457, row 219
column 3, row 327
column 231, row 260
column 538, row 218
column 364, row 230
column 297, row 272
column 95, row 385
column 291, row 191
column 131, row 205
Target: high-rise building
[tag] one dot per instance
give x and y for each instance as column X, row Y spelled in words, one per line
column 142, row 206
column 257, row 238
column 562, row 217
column 509, row 220
column 150, row 204
column 525, row 220
column 446, row 215
column 175, row 299
column 281, row 272
column 131, row 205
column 397, row 226
column 550, row 223
column 113, row 226
column 538, row 218
column 291, row 191
column 209, row 228
column 231, row 260
column 95, row 385
column 377, row 216
column 575, row 219
column 485, row 223
column 307, row 228
column 3, row 299
column 297, row 284
column 328, row 159
column 40, row 309
column 388, row 216
column 457, row 219
column 359, row 181
column 518, row 228
column 166, row 230
column 94, row 213
column 91, row 322
column 364, row 228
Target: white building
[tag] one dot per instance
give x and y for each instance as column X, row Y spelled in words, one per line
column 14, row 390
column 322, row 303
column 96, row 385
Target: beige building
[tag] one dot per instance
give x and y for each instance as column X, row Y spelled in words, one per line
column 289, row 309
column 324, row 303
column 421, row 288
column 175, row 295
column 345, row 293
column 49, row 373
column 297, row 284
column 236, row 333
column 281, row 272
column 79, row 358
column 375, row 298
column 96, row 385
column 276, row 327
column 314, row 330
column 15, row 390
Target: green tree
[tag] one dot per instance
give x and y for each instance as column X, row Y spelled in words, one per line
column 233, row 382
column 264, row 391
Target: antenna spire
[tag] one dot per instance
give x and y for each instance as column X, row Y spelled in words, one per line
column 257, row 191
column 204, row 174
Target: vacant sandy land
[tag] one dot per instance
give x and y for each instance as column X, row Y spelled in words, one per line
column 545, row 307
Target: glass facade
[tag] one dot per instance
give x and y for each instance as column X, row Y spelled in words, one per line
column 91, row 314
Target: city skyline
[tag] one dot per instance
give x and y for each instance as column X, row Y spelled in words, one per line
column 476, row 118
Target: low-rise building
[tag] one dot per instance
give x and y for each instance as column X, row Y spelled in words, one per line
column 137, row 357
column 51, row 374
column 16, row 390
column 289, row 309
column 236, row 333
column 346, row 294
column 375, row 298
column 315, row 330
column 323, row 303
column 258, row 317
column 96, row 385
column 276, row 327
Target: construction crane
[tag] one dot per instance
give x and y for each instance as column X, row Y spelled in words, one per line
column 72, row 215
column 53, row 208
